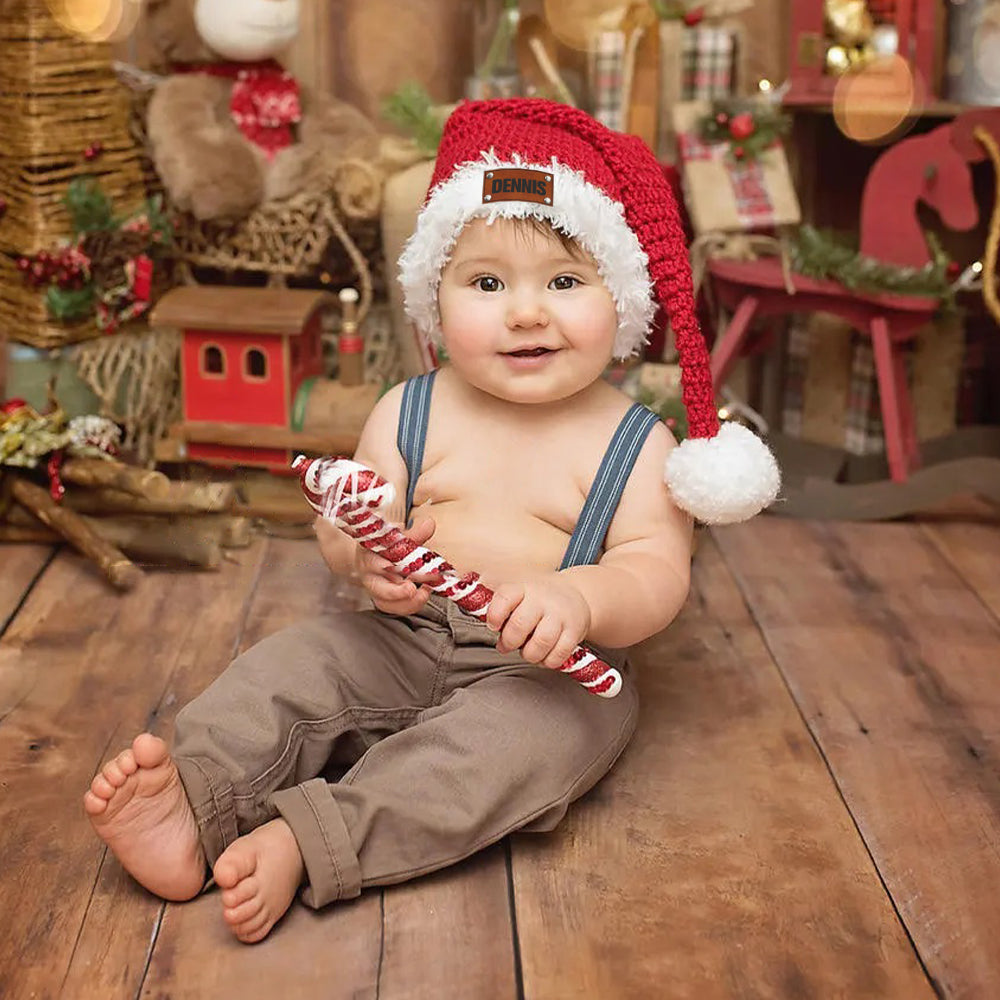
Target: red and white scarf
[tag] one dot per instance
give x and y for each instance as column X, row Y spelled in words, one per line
column 265, row 100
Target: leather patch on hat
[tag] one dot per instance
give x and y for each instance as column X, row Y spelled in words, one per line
column 517, row 184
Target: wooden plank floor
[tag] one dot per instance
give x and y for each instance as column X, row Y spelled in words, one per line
column 810, row 808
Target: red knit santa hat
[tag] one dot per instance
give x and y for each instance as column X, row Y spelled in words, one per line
column 514, row 158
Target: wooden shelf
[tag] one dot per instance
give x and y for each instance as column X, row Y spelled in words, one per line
column 933, row 109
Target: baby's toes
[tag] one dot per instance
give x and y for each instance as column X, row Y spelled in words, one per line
column 243, row 890
column 101, row 787
column 254, row 929
column 126, row 762
column 114, row 774
column 246, row 912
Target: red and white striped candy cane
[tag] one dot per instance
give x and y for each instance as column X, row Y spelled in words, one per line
column 349, row 494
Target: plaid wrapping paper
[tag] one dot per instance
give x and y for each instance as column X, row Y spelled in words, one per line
column 754, row 207
column 709, row 59
column 607, row 70
column 796, row 361
column 863, row 434
column 863, row 418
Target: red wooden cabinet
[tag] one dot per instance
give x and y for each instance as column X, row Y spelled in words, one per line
column 918, row 23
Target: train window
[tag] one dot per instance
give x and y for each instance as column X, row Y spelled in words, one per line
column 213, row 361
column 255, row 364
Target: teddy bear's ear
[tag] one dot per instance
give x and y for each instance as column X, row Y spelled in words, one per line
column 172, row 35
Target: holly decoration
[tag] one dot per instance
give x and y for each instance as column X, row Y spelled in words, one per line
column 747, row 128
column 691, row 14
column 105, row 270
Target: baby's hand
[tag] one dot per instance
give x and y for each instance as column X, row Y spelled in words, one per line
column 390, row 591
column 544, row 618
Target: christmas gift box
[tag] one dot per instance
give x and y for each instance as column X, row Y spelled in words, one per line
column 708, row 62
column 734, row 169
column 606, row 71
column 696, row 63
column 831, row 390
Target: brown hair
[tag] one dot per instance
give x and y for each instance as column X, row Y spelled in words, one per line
column 545, row 227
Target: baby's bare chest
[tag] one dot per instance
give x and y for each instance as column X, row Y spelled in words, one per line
column 544, row 478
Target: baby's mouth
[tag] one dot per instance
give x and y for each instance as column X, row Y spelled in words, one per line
column 529, row 352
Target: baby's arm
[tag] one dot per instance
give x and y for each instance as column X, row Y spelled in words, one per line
column 377, row 450
column 642, row 580
column 635, row 590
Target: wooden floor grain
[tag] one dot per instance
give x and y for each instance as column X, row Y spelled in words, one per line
column 810, row 808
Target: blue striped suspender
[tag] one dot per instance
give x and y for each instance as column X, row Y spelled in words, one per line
column 602, row 500
column 411, row 433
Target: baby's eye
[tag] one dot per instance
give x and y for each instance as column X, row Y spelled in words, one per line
column 564, row 282
column 487, row 283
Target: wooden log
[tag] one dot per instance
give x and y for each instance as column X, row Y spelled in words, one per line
column 245, row 436
column 161, row 541
column 180, row 498
column 157, row 540
column 232, row 530
column 20, row 533
column 110, row 472
column 112, row 562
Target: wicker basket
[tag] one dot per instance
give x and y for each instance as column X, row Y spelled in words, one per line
column 301, row 237
column 58, row 95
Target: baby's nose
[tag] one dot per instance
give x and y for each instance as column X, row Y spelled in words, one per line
column 526, row 311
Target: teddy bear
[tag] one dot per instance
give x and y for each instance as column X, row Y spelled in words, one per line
column 230, row 130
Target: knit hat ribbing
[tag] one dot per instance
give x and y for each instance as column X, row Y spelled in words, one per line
column 610, row 194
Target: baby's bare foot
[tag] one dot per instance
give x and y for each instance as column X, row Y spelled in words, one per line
column 259, row 875
column 137, row 805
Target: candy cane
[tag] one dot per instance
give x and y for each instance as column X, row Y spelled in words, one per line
column 348, row 494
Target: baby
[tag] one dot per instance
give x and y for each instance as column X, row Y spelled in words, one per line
column 366, row 748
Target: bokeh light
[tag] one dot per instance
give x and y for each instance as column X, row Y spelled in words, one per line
column 97, row 20
column 874, row 102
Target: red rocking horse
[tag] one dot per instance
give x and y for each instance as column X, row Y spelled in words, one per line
column 926, row 168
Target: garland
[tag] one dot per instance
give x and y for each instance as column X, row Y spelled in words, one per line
column 670, row 409
column 105, row 270
column 28, row 437
column 818, row 253
column 411, row 108
column 748, row 128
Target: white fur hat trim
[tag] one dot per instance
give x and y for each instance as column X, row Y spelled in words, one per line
column 580, row 209
column 723, row 479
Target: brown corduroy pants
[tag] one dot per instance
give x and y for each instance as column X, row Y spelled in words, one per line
column 392, row 746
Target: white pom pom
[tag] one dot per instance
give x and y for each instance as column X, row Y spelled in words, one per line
column 723, row 479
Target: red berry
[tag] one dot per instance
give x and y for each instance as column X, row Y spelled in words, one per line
column 93, row 151
column 742, row 126
column 722, row 118
column 739, row 152
column 23, row 263
column 694, row 17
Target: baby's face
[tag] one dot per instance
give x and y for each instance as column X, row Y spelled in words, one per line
column 523, row 318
